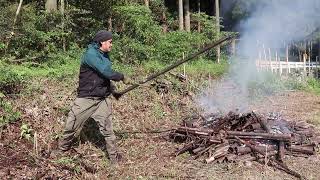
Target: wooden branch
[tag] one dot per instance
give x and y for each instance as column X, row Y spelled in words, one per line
column 305, row 150
column 263, row 122
column 252, row 135
column 222, row 150
column 283, row 166
column 281, row 151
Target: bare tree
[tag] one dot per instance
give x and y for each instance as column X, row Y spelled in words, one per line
column 187, row 15
column 51, row 5
column 164, row 24
column 199, row 11
column 217, row 12
column 146, row 2
column 62, row 24
column 180, row 5
column 14, row 23
column 110, row 23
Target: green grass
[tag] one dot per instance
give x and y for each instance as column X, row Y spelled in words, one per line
column 204, row 67
column 315, row 120
column 7, row 112
column 313, row 85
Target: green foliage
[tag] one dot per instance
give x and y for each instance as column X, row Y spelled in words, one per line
column 131, row 51
column 26, row 132
column 208, row 25
column 265, row 84
column 65, row 161
column 137, row 23
column 153, row 66
column 37, row 34
column 157, row 111
column 2, row 46
column 204, row 67
column 241, row 10
column 7, row 113
column 269, row 83
column 10, row 81
column 159, row 11
column 313, row 85
column 171, row 46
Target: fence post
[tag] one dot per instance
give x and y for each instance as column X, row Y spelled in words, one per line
column 287, row 58
column 304, row 64
column 280, row 66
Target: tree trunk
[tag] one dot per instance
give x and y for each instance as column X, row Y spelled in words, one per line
column 164, row 24
column 187, row 15
column 62, row 24
column 217, row 5
column 319, row 49
column 51, row 5
column 14, row 23
column 199, row 11
column 146, row 2
column 180, row 5
column 110, row 24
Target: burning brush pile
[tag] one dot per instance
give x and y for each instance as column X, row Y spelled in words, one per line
column 246, row 137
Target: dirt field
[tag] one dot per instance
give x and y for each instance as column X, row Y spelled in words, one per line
column 147, row 155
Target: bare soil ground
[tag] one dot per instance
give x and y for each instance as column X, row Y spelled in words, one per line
column 147, row 155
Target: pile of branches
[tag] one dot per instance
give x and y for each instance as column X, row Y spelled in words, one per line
column 246, row 137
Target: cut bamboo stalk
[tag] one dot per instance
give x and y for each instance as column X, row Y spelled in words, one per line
column 35, row 143
column 281, row 151
column 283, row 166
column 219, row 152
column 252, row 135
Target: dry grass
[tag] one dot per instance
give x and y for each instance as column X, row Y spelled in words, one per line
column 147, row 156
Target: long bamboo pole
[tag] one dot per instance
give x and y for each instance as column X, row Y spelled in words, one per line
column 117, row 95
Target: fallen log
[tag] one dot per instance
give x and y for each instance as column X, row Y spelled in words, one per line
column 219, row 152
column 188, row 147
column 281, row 151
column 283, row 166
column 203, row 151
column 195, row 131
column 240, row 150
column 304, row 150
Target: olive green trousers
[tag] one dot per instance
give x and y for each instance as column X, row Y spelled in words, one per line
column 83, row 109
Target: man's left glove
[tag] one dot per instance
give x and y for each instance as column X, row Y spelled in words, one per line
column 116, row 95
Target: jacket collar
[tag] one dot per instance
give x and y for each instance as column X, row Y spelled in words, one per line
column 97, row 47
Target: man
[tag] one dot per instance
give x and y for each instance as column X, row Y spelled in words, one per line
column 94, row 87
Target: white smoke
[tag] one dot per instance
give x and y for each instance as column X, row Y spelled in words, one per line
column 272, row 23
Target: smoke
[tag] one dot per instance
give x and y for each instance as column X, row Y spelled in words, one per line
column 272, row 24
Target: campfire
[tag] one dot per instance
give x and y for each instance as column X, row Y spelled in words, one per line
column 238, row 137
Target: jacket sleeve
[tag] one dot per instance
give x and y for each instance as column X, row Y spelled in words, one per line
column 103, row 67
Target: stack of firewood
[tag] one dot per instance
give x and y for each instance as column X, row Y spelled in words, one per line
column 246, row 137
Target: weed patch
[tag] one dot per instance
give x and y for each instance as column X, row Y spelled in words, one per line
column 7, row 112
column 10, row 81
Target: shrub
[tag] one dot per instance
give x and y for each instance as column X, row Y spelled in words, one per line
column 10, row 81
column 137, row 23
column 37, row 33
column 7, row 113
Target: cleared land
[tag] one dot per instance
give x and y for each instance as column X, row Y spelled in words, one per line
column 147, row 156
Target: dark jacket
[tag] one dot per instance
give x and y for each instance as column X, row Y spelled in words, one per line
column 95, row 73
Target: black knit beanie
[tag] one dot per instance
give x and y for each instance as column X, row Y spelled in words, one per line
column 102, row 36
